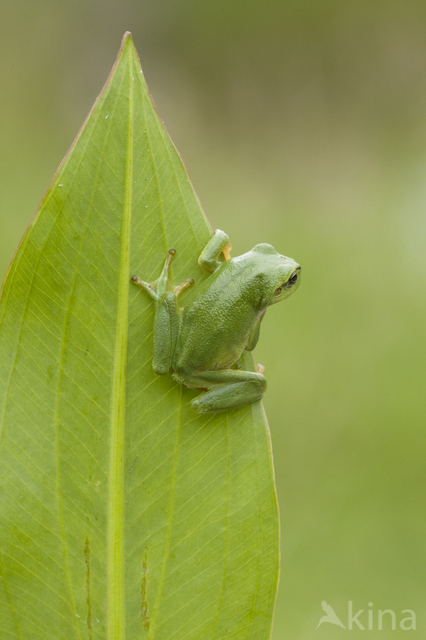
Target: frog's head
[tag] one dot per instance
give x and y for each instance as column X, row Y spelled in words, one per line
column 281, row 274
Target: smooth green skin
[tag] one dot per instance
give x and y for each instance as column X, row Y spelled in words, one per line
column 198, row 345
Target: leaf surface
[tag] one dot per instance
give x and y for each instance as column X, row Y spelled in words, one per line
column 123, row 515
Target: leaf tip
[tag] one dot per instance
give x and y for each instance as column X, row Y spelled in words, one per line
column 127, row 48
column 126, row 42
column 127, row 36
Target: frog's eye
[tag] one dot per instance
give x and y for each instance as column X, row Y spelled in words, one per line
column 292, row 280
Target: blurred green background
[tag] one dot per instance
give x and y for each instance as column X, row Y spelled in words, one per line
column 302, row 124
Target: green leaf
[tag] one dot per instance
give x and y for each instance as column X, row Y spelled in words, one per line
column 122, row 513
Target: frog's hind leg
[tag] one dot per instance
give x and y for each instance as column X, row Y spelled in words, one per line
column 226, row 389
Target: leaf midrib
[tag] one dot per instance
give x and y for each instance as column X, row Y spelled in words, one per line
column 116, row 599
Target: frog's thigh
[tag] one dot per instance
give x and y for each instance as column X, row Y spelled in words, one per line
column 228, row 389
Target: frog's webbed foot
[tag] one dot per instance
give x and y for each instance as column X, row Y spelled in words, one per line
column 162, row 284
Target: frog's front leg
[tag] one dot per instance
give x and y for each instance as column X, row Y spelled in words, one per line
column 227, row 389
column 166, row 320
column 217, row 244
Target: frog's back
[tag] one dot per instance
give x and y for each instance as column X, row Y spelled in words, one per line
column 215, row 328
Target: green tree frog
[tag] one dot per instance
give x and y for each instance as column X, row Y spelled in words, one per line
column 199, row 344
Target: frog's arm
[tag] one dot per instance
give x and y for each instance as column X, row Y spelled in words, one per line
column 166, row 326
column 255, row 332
column 208, row 258
column 166, row 320
column 227, row 389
